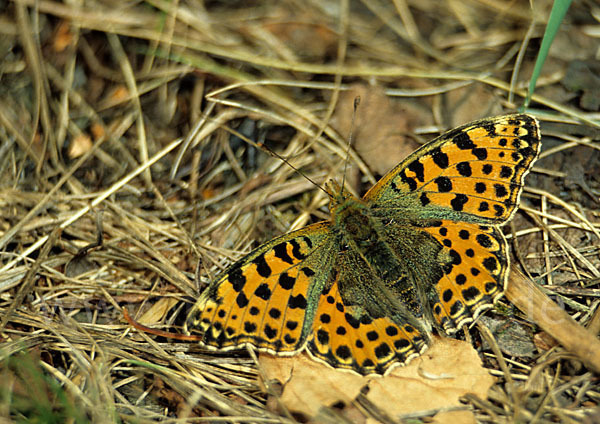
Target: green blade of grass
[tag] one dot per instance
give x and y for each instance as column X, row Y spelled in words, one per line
column 559, row 9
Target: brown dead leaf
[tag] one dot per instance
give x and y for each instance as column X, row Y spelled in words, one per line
column 79, row 146
column 449, row 369
column 309, row 385
column 454, row 417
column 543, row 341
column 471, row 102
column 513, row 337
column 79, row 265
column 381, row 127
column 299, row 36
column 157, row 312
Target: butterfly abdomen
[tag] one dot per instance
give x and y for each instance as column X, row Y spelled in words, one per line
column 377, row 261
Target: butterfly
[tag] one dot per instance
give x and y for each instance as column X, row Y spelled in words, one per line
column 422, row 250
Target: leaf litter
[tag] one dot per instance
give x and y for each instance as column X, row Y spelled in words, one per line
column 138, row 122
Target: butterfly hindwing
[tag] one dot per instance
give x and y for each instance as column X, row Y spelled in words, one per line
column 262, row 299
column 349, row 337
column 472, row 277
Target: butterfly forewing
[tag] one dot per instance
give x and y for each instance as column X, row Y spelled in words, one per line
column 471, row 173
column 262, row 299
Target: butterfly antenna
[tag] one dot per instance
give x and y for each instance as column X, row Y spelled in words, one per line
column 284, row 160
column 263, row 147
column 356, row 103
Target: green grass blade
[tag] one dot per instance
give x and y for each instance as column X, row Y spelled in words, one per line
column 559, row 10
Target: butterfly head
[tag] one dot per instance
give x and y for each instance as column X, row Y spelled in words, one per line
column 337, row 194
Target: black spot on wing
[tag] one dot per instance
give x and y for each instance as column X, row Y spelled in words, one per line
column 263, row 291
column 500, row 190
column 444, row 184
column 297, row 302
column 440, row 158
column 480, row 153
column 241, row 300
column 480, row 187
column 459, row 202
column 296, row 248
column 262, row 267
column 463, row 141
column 281, row 253
column 237, row 279
column 418, row 169
column 464, row 169
column 285, row 281
column 506, row 171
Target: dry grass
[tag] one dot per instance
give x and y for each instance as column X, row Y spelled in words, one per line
column 135, row 121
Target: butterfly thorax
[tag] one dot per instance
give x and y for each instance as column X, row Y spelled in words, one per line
column 376, row 253
column 350, row 215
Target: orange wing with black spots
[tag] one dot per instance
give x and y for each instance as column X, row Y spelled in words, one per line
column 471, row 173
column 349, row 337
column 262, row 299
column 474, row 276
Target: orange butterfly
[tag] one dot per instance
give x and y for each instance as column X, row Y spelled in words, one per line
column 421, row 250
